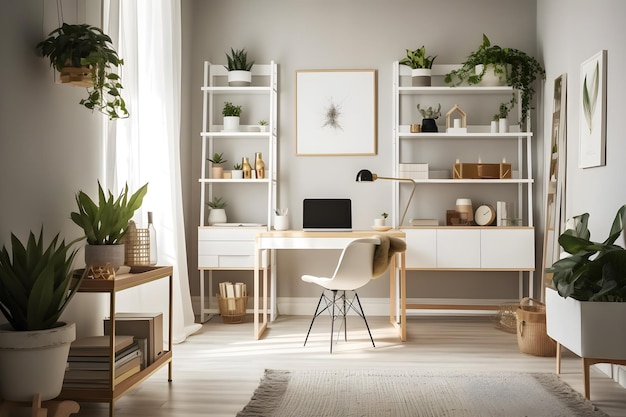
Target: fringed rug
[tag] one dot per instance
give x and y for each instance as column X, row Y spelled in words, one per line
column 406, row 393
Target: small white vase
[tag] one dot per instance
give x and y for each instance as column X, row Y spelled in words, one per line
column 494, row 126
column 217, row 216
column 239, row 78
column 231, row 123
column 503, row 125
column 237, row 174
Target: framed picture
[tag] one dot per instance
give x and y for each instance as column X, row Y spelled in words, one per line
column 336, row 112
column 592, row 143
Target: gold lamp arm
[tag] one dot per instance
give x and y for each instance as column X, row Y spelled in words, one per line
column 410, row 197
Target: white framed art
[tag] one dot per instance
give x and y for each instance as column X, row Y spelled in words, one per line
column 336, row 112
column 592, row 129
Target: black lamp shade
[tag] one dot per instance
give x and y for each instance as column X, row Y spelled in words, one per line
column 364, row 175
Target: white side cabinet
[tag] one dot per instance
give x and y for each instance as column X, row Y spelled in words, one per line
column 437, row 154
column 250, row 201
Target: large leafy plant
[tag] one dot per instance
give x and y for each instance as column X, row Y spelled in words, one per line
column 594, row 271
column 88, row 46
column 516, row 67
column 106, row 222
column 36, row 282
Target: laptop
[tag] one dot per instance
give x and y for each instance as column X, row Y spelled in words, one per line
column 327, row 214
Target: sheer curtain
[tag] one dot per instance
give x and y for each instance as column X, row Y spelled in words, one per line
column 145, row 147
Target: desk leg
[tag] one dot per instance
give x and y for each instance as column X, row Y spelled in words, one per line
column 402, row 293
column 403, row 296
column 259, row 328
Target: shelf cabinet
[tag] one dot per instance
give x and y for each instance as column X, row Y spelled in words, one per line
column 461, row 248
column 251, row 201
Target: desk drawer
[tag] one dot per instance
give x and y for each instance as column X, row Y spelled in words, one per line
column 229, row 233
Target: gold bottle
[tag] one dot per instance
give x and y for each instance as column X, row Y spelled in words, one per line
column 245, row 166
column 259, row 165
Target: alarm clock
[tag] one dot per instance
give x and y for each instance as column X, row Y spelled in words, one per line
column 485, row 215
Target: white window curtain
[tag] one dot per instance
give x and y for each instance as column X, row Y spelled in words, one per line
column 145, row 147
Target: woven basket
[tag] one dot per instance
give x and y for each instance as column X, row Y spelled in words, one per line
column 232, row 310
column 137, row 249
column 532, row 336
column 506, row 318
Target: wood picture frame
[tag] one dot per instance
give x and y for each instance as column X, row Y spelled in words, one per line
column 592, row 130
column 336, row 112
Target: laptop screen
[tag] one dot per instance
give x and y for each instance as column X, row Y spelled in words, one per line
column 327, row 214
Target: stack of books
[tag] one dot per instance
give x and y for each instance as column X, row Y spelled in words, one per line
column 89, row 361
column 230, row 291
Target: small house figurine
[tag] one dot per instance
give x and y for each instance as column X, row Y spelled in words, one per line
column 460, row 125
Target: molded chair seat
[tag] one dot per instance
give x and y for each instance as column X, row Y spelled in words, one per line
column 354, row 270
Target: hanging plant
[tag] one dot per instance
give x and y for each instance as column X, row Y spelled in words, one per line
column 88, row 47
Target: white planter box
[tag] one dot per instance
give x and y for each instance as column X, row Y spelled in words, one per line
column 589, row 329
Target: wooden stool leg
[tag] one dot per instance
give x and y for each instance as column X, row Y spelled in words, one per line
column 586, row 364
column 558, row 358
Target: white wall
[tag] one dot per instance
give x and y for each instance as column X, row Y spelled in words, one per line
column 346, row 34
column 49, row 144
column 570, row 32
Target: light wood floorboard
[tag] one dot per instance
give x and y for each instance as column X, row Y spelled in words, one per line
column 217, row 370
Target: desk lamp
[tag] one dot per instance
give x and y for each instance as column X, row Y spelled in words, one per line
column 366, row 175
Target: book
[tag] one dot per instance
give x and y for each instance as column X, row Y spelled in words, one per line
column 98, row 345
column 102, row 362
column 72, row 375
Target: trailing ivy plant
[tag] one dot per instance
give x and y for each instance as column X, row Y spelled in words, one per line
column 88, row 46
column 518, row 69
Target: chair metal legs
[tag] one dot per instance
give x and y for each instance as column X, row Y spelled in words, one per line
column 338, row 307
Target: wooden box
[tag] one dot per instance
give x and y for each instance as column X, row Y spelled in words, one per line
column 141, row 326
column 481, row 171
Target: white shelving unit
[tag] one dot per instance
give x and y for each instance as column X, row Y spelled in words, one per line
column 250, row 201
column 461, row 248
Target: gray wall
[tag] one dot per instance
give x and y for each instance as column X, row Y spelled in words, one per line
column 347, row 34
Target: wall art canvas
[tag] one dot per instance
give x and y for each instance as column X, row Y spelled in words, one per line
column 592, row 142
column 336, row 112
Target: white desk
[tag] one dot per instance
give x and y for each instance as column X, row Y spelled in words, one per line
column 297, row 239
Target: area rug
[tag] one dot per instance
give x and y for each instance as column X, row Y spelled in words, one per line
column 407, row 393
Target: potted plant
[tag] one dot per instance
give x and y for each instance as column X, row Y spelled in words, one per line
column 83, row 54
column 263, row 125
column 36, row 286
column 382, row 220
column 421, row 66
column 503, row 112
column 106, row 223
column 238, row 67
column 494, row 65
column 231, row 114
column 237, row 172
column 585, row 308
column 218, row 212
column 217, row 169
column 429, row 115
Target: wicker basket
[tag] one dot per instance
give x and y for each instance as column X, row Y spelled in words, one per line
column 532, row 336
column 232, row 310
column 505, row 319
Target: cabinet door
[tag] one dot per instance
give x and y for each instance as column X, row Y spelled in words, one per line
column 458, row 248
column 421, row 248
column 504, row 248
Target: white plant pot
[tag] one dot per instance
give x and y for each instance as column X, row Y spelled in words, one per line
column 494, row 126
column 503, row 125
column 34, row 361
column 231, row 123
column 239, row 78
column 587, row 328
column 100, row 255
column 237, row 174
column 217, row 216
column 263, row 128
column 490, row 78
column 281, row 222
column 421, row 77
column 380, row 222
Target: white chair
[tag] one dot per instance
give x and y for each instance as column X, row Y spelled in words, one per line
column 354, row 270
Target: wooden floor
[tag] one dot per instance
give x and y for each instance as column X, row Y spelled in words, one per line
column 217, row 369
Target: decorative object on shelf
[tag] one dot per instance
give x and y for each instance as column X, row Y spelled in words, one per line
column 421, row 66
column 263, row 126
column 481, row 170
column 36, row 285
column 503, row 112
column 592, row 141
column 239, row 74
column 429, row 116
column 237, row 172
column 381, row 221
column 367, row 175
column 153, row 240
column 281, row 221
column 88, row 52
column 106, row 223
column 336, row 112
column 218, row 212
column 485, row 215
column 259, row 165
column 246, row 168
column 518, row 69
column 494, row 125
column 136, row 247
column 460, row 125
column 231, row 115
column 416, row 128
column 465, row 209
column 217, row 168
